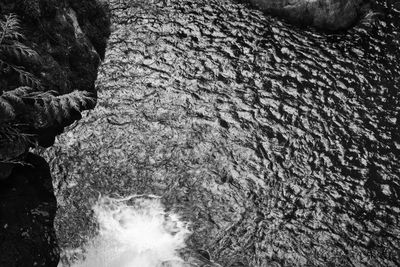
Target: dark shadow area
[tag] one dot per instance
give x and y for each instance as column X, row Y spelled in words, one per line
column 27, row 210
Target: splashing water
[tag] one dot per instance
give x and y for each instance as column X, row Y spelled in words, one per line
column 136, row 231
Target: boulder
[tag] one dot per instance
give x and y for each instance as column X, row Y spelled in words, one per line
column 330, row 15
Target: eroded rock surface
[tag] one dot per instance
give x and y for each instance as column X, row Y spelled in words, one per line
column 279, row 145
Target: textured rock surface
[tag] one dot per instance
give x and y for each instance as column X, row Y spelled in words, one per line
column 278, row 144
column 326, row 14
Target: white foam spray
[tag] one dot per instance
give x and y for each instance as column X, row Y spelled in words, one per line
column 135, row 232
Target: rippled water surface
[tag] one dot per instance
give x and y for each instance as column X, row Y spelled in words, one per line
column 279, row 145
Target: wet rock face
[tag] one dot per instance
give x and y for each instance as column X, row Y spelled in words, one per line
column 27, row 210
column 325, row 14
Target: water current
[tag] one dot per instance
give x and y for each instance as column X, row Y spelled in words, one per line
column 278, row 145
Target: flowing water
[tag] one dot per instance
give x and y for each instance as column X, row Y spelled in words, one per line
column 274, row 145
column 135, row 234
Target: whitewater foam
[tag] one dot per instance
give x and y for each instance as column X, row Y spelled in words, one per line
column 135, row 232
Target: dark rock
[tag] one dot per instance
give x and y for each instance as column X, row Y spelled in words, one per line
column 27, row 210
column 5, row 170
column 326, row 14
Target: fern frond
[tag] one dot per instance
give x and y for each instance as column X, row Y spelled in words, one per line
column 12, row 23
column 26, row 78
column 4, row 66
column 40, row 95
column 55, row 111
column 8, row 133
column 46, row 108
column 10, row 28
column 13, row 142
column 60, row 107
column 65, row 106
column 82, row 98
column 18, row 50
column 11, row 101
column 76, row 100
column 15, row 35
column 7, row 111
column 11, row 48
column 16, row 99
column 12, row 98
column 11, row 133
column 40, row 118
column 52, row 111
column 20, row 91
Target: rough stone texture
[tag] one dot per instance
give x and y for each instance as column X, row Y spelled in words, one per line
column 279, row 144
column 326, row 14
